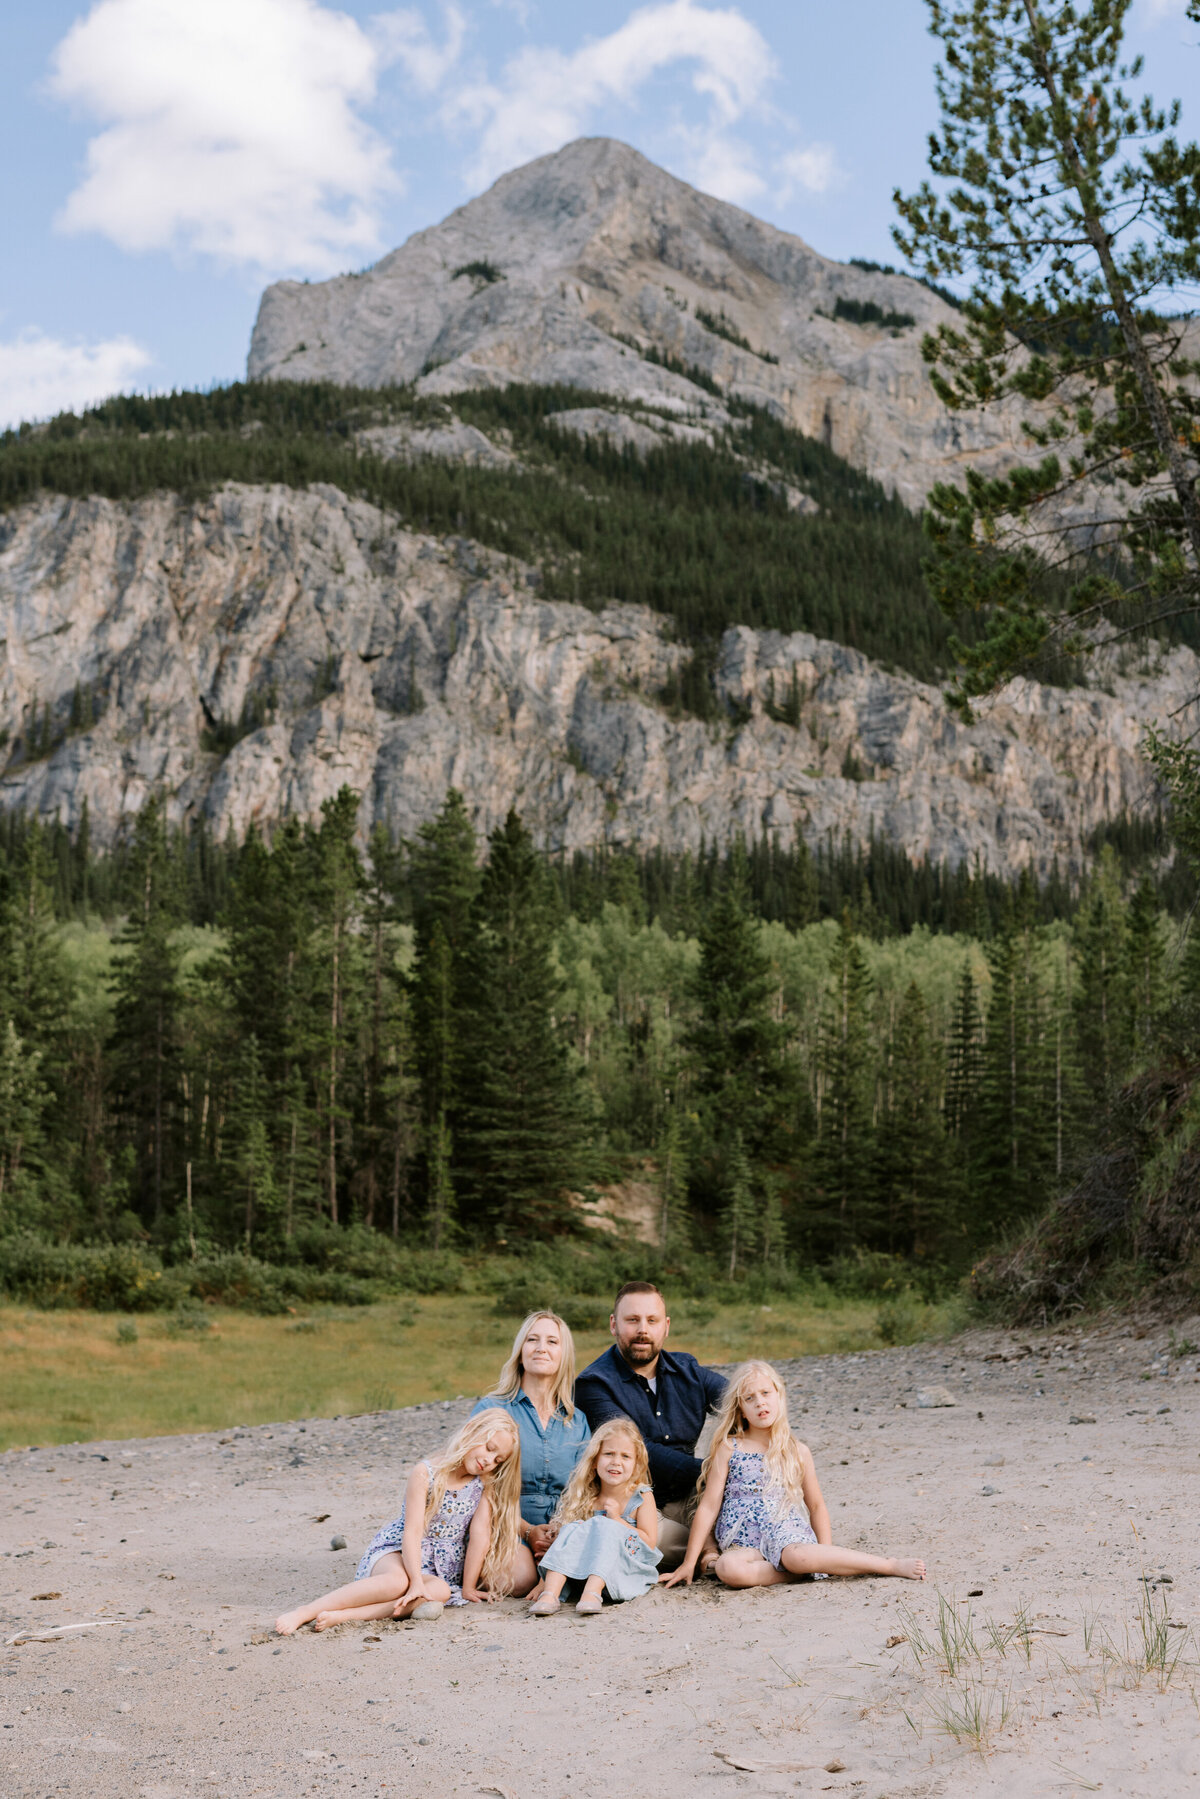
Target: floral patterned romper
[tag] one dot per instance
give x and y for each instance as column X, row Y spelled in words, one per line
column 444, row 1545
column 751, row 1515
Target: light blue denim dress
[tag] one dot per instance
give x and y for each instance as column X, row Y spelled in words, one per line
column 548, row 1456
column 609, row 1547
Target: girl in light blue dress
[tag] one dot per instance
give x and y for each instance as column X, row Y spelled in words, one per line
column 607, row 1526
column 759, row 1493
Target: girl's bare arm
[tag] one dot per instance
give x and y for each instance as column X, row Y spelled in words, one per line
column 814, row 1499
column 706, row 1517
column 415, row 1495
column 646, row 1522
column 479, row 1539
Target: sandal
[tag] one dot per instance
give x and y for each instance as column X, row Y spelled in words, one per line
column 588, row 1607
column 545, row 1607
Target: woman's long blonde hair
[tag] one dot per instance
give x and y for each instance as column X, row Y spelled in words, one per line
column 502, row 1487
column 785, row 1463
column 562, row 1393
column 579, row 1497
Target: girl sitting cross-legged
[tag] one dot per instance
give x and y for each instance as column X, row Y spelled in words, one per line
column 759, row 1491
column 455, row 1539
column 607, row 1525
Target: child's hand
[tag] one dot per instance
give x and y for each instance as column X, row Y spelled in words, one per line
column 540, row 1539
column 414, row 1596
column 479, row 1595
column 611, row 1508
column 686, row 1571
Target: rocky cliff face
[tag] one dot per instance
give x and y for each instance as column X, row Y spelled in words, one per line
column 346, row 650
column 569, row 268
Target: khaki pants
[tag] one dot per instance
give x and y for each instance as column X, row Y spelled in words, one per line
column 672, row 1537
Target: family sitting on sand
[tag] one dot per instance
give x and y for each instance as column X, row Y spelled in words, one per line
column 592, row 1488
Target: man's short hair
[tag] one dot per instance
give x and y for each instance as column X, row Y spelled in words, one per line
column 636, row 1287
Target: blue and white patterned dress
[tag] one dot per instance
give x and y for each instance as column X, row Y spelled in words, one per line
column 444, row 1545
column 610, row 1547
column 756, row 1515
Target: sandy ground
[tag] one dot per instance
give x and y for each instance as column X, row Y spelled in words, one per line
column 186, row 1547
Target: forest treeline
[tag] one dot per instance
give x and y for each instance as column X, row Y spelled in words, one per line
column 446, row 1042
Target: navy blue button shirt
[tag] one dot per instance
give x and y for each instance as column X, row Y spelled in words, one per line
column 548, row 1457
column 670, row 1418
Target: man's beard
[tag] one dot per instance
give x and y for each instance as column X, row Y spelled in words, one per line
column 640, row 1352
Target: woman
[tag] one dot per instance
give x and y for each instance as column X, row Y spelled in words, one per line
column 536, row 1388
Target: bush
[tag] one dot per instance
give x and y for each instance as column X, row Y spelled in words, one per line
column 125, row 1277
column 111, row 1277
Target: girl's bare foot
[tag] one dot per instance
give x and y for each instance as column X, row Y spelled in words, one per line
column 323, row 1620
column 287, row 1622
column 911, row 1570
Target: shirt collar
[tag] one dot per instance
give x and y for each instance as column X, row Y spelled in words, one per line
column 664, row 1365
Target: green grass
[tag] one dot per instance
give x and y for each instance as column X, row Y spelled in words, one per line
column 65, row 1376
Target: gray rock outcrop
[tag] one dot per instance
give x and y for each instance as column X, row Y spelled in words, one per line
column 338, row 648
column 568, row 269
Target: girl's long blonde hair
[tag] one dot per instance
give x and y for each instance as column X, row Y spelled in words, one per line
column 579, row 1497
column 785, row 1463
column 562, row 1393
column 502, row 1487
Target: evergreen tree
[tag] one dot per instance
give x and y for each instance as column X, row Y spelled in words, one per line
column 1145, row 968
column 23, row 1104
column 336, row 882
column 520, row 1145
column 673, row 1231
column 1013, row 1150
column 144, row 1044
column 965, row 1061
column 846, row 1209
column 445, row 880
column 252, row 1166
column 739, row 1213
column 914, row 1158
column 735, row 1038
column 1103, row 1016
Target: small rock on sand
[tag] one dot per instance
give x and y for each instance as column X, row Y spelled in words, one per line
column 931, row 1397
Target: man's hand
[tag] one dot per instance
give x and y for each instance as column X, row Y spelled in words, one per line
column 686, row 1572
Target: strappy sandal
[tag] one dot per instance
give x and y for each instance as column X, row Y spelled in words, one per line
column 588, row 1607
column 545, row 1607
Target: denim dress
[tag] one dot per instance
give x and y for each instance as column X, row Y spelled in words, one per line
column 548, row 1456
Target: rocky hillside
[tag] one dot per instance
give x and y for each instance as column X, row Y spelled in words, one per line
column 580, row 266
column 250, row 652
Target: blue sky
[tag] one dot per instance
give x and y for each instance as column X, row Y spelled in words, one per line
column 166, row 158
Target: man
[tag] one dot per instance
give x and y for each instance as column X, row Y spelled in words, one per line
column 667, row 1394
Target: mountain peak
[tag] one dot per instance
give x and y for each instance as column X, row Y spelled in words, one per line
column 595, row 268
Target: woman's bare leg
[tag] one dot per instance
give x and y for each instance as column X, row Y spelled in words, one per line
column 387, row 1581
column 525, row 1574
column 746, row 1568
column 818, row 1558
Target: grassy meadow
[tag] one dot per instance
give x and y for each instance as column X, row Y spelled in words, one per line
column 68, row 1376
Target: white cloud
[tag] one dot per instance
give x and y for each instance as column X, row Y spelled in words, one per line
column 545, row 97
column 41, row 375
column 717, row 162
column 403, row 37
column 228, row 127
column 812, row 170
